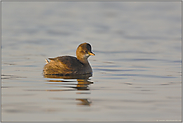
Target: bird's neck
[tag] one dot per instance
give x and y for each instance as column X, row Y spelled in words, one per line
column 83, row 60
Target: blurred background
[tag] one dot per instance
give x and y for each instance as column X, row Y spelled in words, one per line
column 136, row 69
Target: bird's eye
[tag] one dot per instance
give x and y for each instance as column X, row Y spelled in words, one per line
column 83, row 52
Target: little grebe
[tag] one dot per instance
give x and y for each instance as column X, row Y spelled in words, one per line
column 69, row 65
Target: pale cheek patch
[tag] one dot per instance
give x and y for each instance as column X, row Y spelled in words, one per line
column 87, row 55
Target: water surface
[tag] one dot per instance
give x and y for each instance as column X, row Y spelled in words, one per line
column 136, row 70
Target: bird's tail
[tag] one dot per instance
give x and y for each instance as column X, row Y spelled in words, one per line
column 46, row 61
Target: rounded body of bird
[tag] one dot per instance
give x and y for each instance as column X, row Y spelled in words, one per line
column 69, row 65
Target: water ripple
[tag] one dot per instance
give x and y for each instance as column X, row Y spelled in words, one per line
column 100, row 69
column 130, row 51
column 144, row 75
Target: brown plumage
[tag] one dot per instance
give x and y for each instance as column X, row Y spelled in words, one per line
column 69, row 65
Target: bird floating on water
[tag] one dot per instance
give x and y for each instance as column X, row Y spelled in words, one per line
column 69, row 65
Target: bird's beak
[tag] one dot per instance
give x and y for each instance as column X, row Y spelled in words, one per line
column 90, row 53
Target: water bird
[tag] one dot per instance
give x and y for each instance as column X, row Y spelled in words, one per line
column 69, row 65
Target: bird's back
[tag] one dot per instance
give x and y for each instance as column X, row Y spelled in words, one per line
column 65, row 65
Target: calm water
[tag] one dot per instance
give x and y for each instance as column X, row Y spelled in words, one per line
column 137, row 66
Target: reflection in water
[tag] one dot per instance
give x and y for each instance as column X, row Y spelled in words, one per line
column 86, row 102
column 82, row 84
